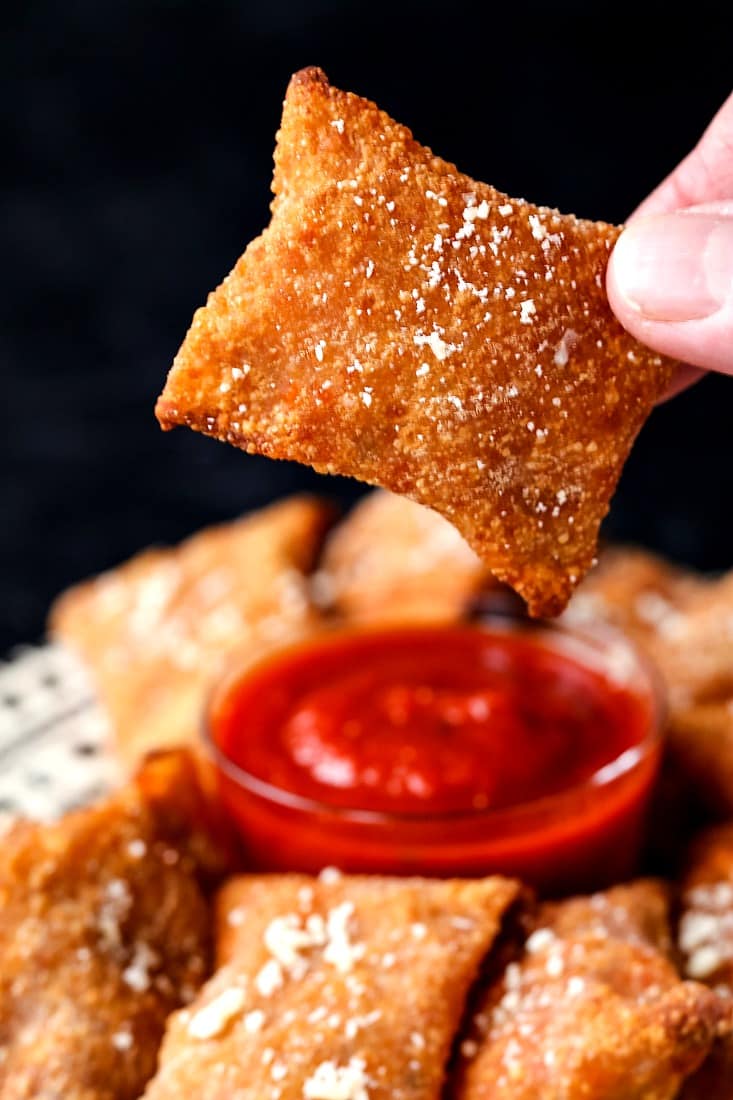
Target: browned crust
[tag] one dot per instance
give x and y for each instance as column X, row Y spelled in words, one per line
column 682, row 621
column 706, row 923
column 594, row 1008
column 391, row 1008
column 156, row 631
column 103, row 932
column 705, row 940
column 503, row 393
column 392, row 559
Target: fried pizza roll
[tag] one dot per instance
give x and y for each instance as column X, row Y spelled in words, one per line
column 156, row 630
column 695, row 656
column 392, row 559
column 333, row 987
column 700, row 738
column 592, row 1008
column 682, row 621
column 636, row 591
column 104, row 930
column 404, row 324
column 706, row 922
column 705, row 940
column 683, row 618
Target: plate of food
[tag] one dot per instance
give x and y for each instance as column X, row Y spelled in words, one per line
column 427, row 800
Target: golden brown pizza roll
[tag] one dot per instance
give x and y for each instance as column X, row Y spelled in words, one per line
column 341, row 987
column 696, row 659
column 592, row 1008
column 684, row 623
column 392, row 559
column 684, row 620
column 706, row 922
column 705, row 940
column 700, row 738
column 156, row 630
column 104, row 930
column 402, row 323
column 636, row 591
column 696, row 653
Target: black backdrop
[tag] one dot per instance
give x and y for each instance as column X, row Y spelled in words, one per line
column 137, row 141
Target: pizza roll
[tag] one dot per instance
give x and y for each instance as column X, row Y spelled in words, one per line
column 404, row 324
column 392, row 559
column 592, row 1007
column 636, row 591
column 104, row 930
column 706, row 922
column 156, row 631
column 333, row 987
column 684, row 623
column 705, row 940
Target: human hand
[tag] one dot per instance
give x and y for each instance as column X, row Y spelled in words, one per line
column 670, row 277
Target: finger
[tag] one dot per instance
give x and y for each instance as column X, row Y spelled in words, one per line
column 685, row 377
column 670, row 283
column 704, row 175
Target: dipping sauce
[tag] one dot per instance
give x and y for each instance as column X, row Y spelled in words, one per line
column 439, row 750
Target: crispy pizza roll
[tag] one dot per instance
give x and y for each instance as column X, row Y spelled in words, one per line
column 682, row 621
column 706, row 923
column 156, row 630
column 636, row 591
column 404, row 324
column 696, row 660
column 351, row 988
column 104, row 930
column 696, row 654
column 593, row 1008
column 705, row 939
column 700, row 737
column 392, row 559
column 682, row 618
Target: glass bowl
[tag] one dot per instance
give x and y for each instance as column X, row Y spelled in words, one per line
column 580, row 838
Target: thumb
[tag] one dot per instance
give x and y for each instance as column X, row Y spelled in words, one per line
column 670, row 283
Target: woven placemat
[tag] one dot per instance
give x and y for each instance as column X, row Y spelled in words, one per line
column 53, row 735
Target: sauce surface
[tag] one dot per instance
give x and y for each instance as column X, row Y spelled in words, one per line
column 426, row 720
column 472, row 751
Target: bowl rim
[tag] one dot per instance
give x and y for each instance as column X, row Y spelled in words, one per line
column 591, row 636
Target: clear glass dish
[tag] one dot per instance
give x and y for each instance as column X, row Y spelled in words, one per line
column 580, row 838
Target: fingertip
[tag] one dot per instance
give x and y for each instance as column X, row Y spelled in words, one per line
column 684, row 377
column 623, row 305
column 618, row 302
column 670, row 283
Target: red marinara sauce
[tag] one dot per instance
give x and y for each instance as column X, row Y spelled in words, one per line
column 439, row 750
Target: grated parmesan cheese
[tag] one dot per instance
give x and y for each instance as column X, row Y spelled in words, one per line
column 527, row 310
column 211, row 1020
column 333, row 1082
column 269, row 978
column 136, row 974
column 340, row 951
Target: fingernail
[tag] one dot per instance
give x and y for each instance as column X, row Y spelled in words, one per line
column 675, row 267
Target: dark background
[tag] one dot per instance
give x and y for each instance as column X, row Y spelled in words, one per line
column 137, row 141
